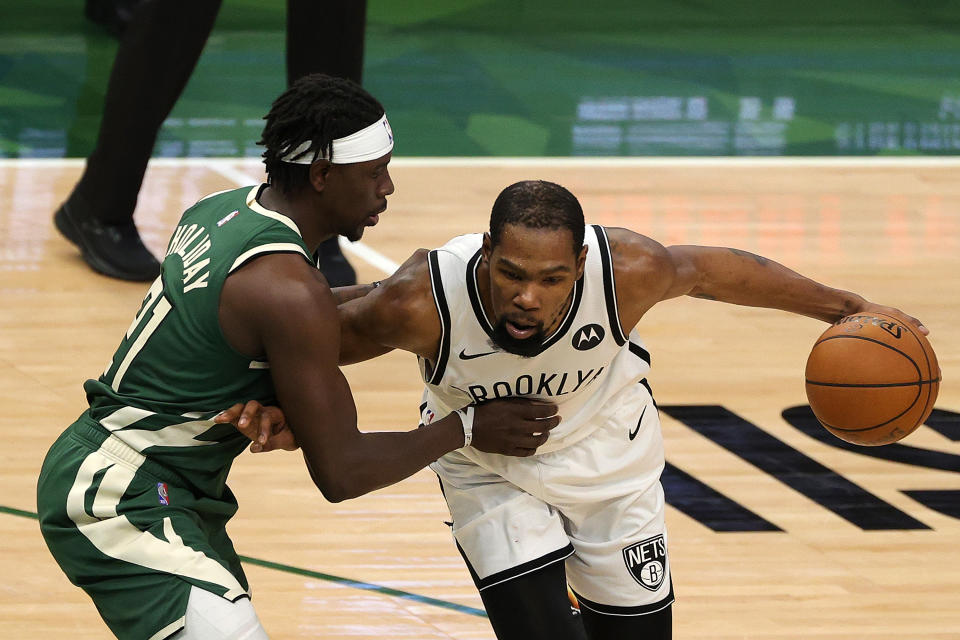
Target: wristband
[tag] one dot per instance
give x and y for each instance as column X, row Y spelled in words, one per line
column 466, row 417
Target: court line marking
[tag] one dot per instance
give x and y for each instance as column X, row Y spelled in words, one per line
column 540, row 161
column 695, row 161
column 327, row 577
column 229, row 168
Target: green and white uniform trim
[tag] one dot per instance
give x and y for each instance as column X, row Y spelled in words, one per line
column 132, row 498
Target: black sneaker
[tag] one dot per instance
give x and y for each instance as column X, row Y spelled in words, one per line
column 114, row 250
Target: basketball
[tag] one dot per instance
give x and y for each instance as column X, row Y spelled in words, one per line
column 872, row 379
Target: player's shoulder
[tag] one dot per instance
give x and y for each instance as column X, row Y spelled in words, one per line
column 463, row 247
column 238, row 211
column 628, row 245
column 282, row 280
column 639, row 260
column 217, row 199
column 224, row 214
column 409, row 285
column 220, row 193
column 400, row 310
column 643, row 270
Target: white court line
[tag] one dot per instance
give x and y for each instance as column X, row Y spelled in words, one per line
column 240, row 177
column 440, row 162
column 370, row 256
column 228, row 168
column 357, row 249
column 704, row 161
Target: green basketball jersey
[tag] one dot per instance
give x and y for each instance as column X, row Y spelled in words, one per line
column 174, row 369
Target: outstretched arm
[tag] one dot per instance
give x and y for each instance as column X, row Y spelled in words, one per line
column 279, row 307
column 724, row 274
column 398, row 314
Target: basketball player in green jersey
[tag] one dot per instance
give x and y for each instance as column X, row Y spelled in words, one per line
column 132, row 497
column 545, row 306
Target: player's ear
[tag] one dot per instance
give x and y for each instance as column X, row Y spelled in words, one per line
column 319, row 171
column 487, row 246
column 581, row 261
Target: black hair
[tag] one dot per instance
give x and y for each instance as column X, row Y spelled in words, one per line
column 539, row 205
column 318, row 108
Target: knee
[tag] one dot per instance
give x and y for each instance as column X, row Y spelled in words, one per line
column 210, row 617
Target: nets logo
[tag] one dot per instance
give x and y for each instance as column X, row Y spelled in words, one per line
column 647, row 562
column 587, row 337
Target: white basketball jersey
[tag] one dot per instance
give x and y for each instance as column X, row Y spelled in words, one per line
column 581, row 367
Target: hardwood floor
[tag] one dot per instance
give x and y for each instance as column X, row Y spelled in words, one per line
column 890, row 231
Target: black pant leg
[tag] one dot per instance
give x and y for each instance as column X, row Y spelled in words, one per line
column 651, row 626
column 156, row 56
column 534, row 606
column 325, row 36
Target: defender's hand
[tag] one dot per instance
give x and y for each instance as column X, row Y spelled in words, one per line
column 265, row 425
column 513, row 426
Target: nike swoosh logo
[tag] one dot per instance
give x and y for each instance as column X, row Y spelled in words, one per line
column 470, row 356
column 633, row 434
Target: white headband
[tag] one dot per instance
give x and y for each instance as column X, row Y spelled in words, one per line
column 369, row 143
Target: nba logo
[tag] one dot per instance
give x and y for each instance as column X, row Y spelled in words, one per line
column 227, row 218
column 162, row 493
column 430, row 416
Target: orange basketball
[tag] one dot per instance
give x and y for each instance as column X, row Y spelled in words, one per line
column 872, row 379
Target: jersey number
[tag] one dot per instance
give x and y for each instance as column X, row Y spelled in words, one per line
column 155, row 308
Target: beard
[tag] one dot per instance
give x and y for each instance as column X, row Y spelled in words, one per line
column 525, row 347
column 354, row 235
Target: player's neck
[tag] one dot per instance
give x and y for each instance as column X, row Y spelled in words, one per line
column 301, row 211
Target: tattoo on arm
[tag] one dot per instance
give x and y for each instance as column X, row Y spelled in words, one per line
column 746, row 254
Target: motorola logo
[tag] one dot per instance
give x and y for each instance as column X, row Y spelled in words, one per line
column 587, row 337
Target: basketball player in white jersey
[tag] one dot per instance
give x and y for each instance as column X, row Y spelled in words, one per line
column 543, row 306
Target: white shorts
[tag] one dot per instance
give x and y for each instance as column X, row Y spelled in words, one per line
column 597, row 504
column 211, row 617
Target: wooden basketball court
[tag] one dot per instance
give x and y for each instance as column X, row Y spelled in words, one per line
column 848, row 553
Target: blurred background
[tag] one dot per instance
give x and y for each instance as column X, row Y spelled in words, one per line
column 536, row 78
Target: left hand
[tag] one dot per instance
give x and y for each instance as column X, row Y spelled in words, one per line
column 266, row 426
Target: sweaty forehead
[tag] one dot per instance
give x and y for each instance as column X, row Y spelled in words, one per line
column 533, row 249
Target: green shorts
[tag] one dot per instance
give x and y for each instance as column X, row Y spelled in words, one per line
column 132, row 534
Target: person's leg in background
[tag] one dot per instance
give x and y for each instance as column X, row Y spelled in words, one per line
column 326, row 36
column 158, row 52
column 114, row 15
